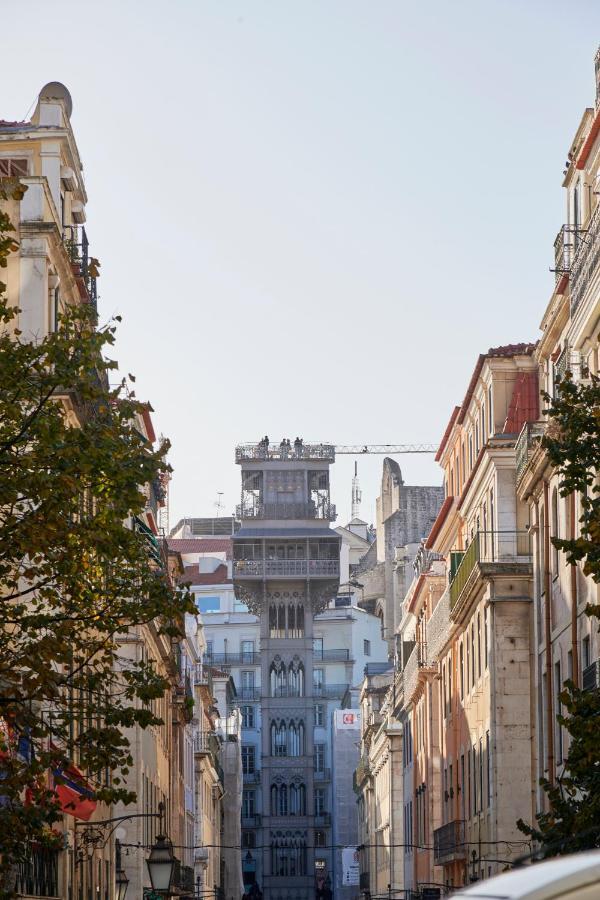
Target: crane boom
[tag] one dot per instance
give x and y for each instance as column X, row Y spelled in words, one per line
column 355, row 449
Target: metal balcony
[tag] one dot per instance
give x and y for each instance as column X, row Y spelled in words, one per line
column 531, row 434
column 324, row 511
column 259, row 451
column 286, row 568
column 77, row 246
column 325, row 655
column 224, row 660
column 322, row 819
column 504, row 550
column 584, row 268
column 565, row 246
column 322, row 774
column 251, row 777
column 251, row 820
column 206, row 743
column 449, row 842
column 248, row 693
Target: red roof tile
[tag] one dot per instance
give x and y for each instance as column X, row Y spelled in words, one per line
column 202, row 545
column 524, row 404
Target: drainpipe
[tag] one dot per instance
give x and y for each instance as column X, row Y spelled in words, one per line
column 574, row 644
column 548, row 630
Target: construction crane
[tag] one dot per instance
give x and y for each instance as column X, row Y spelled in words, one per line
column 392, row 449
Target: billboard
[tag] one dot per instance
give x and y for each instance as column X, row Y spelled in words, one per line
column 350, row 867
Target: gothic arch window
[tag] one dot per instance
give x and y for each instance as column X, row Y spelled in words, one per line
column 296, row 621
column 291, row 620
column 279, row 800
column 272, row 620
column 278, row 678
column 280, row 621
column 278, row 738
column 288, row 854
column 296, row 738
column 297, row 800
column 296, row 678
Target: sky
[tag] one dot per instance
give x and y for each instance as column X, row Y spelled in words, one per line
column 313, row 215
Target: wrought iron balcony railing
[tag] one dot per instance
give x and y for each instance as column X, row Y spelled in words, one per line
column 507, row 548
column 329, row 690
column 324, row 510
column 207, row 744
column 244, row 658
column 322, row 818
column 565, row 246
column 584, row 268
column 323, row 654
column 285, row 568
column 37, row 873
column 591, row 676
column 532, row 432
column 449, row 842
column 77, row 246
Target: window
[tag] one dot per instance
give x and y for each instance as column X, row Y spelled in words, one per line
column 463, row 786
column 586, row 657
column 248, row 759
column 490, row 413
column 318, row 648
column 208, row 604
column 247, row 717
column 557, row 712
column 467, row 665
column 247, row 678
column 278, row 738
column 479, row 645
column 472, row 655
column 461, row 673
column 13, row 168
column 318, row 681
column 367, row 648
column 248, row 804
column 485, row 636
column 319, row 801
column 319, row 758
column 481, row 774
column 489, row 769
column 248, row 840
column 474, row 775
column 555, row 531
column 320, row 839
column 319, row 714
column 247, row 649
column 209, row 648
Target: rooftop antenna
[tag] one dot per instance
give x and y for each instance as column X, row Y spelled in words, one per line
column 219, row 504
column 356, row 493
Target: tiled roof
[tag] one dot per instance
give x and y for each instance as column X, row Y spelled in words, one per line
column 201, row 545
column 506, row 350
column 192, row 575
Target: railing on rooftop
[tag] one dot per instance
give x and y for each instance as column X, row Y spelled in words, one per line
column 449, row 841
column 286, row 568
column 324, row 511
column 37, row 873
column 490, row 547
column 532, row 432
column 584, row 268
column 283, row 452
column 77, row 246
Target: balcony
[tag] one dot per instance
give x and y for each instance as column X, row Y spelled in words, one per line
column 84, row 267
column 251, row 777
column 590, row 679
column 225, row 660
column 37, row 873
column 321, row 654
column 251, row 820
column 322, row 774
column 584, row 269
column 183, row 878
column 565, row 245
column 325, row 511
column 531, row 434
column 206, row 743
column 449, row 842
column 329, row 690
column 322, row 820
column 286, row 568
column 260, row 451
column 491, row 553
column 248, row 693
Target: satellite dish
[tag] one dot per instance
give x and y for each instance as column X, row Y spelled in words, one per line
column 54, row 90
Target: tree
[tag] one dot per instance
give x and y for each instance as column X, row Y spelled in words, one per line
column 572, row 444
column 73, row 574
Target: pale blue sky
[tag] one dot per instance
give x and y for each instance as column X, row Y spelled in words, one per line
column 313, row 215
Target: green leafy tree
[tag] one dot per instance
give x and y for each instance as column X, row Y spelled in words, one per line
column 72, row 573
column 572, row 444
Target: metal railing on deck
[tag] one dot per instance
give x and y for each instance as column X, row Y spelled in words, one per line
column 565, row 246
column 498, row 547
column 77, row 246
column 531, row 431
column 584, row 267
column 449, row 841
column 281, row 452
column 286, row 568
column 323, row 654
column 245, row 658
column 324, row 510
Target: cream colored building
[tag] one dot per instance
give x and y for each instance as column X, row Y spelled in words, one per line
column 566, row 641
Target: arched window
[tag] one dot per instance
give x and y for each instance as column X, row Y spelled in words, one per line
column 277, row 677
column 291, row 620
column 281, row 621
column 296, row 679
column 300, row 620
column 272, row 620
column 296, row 738
column 278, row 738
column 297, row 800
column 279, row 800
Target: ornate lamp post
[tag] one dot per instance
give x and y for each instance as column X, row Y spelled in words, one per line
column 161, row 862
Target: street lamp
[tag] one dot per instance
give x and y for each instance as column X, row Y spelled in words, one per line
column 161, row 863
column 122, row 883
